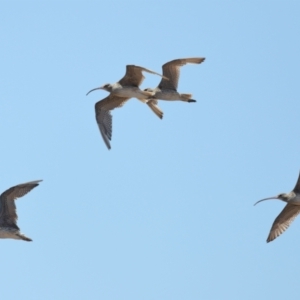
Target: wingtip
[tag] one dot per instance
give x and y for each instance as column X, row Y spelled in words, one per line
column 34, row 182
column 297, row 186
column 107, row 144
column 196, row 60
column 270, row 238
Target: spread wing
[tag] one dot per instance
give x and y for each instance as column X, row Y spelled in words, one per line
column 134, row 76
column 297, row 186
column 104, row 117
column 153, row 104
column 171, row 70
column 8, row 213
column 283, row 221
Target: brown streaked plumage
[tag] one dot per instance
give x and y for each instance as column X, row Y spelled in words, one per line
column 120, row 92
column 8, row 213
column 288, row 214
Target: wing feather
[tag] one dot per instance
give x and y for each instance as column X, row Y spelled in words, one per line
column 297, row 186
column 283, row 221
column 104, row 117
column 153, row 104
column 8, row 212
column 134, row 76
column 171, row 70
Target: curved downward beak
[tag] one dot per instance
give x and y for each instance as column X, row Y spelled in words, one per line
column 270, row 198
column 98, row 88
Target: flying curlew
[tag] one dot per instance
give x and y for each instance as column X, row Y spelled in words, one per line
column 8, row 214
column 288, row 214
column 120, row 92
column 167, row 88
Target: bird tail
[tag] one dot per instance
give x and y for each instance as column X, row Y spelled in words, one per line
column 186, row 97
column 23, row 237
column 153, row 105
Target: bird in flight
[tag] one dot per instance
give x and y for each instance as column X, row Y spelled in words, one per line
column 8, row 213
column 167, row 88
column 288, row 214
column 120, row 92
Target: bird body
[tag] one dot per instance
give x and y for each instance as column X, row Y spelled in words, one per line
column 8, row 213
column 131, row 92
column 125, row 91
column 288, row 214
column 120, row 92
column 170, row 95
column 293, row 198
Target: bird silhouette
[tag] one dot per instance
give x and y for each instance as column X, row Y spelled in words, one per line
column 288, row 214
column 8, row 212
column 120, row 92
column 167, row 88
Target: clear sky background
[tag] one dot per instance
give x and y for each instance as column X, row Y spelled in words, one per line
column 168, row 212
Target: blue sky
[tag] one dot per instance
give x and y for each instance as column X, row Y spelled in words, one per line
column 168, row 212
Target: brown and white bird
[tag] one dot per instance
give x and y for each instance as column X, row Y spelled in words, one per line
column 8, row 213
column 288, row 214
column 120, row 92
column 167, row 88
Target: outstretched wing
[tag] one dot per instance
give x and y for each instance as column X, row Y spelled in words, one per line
column 8, row 213
column 297, row 186
column 153, row 104
column 134, row 76
column 283, row 221
column 171, row 70
column 104, row 117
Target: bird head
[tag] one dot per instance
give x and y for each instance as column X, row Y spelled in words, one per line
column 148, row 90
column 283, row 197
column 107, row 87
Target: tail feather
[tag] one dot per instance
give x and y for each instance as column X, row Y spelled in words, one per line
column 23, row 237
column 186, row 97
column 153, row 105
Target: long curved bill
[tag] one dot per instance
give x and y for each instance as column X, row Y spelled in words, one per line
column 270, row 198
column 98, row 88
